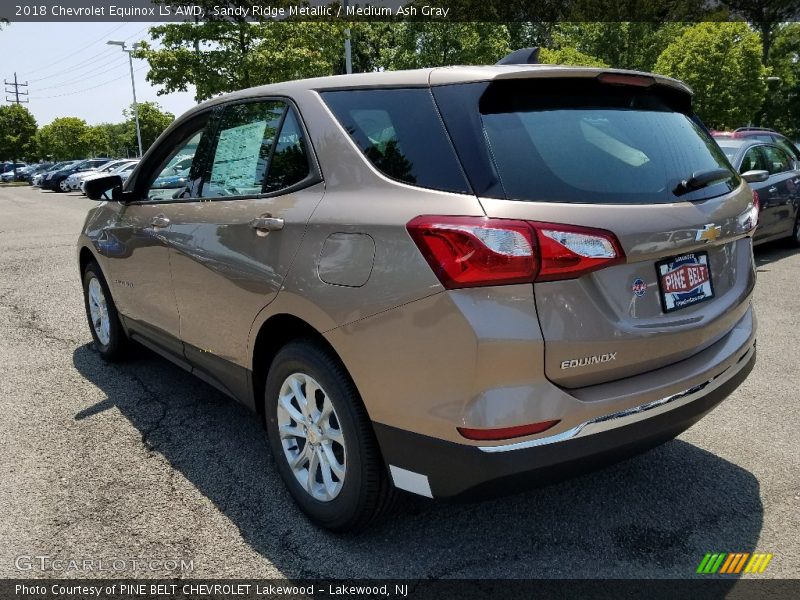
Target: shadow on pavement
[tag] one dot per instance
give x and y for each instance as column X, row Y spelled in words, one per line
column 771, row 252
column 655, row 515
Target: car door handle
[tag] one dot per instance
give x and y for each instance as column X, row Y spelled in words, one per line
column 159, row 222
column 266, row 223
column 772, row 190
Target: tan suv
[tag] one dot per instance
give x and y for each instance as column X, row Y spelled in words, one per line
column 448, row 281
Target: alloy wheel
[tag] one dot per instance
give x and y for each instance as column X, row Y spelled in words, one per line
column 311, row 437
column 99, row 312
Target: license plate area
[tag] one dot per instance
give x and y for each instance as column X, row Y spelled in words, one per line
column 684, row 281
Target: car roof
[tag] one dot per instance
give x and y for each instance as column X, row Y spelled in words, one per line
column 428, row 77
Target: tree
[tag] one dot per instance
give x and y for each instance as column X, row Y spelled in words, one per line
column 63, row 139
column 152, row 122
column 722, row 64
column 766, row 16
column 17, row 131
column 623, row 45
column 568, row 56
column 96, row 140
column 433, row 44
column 781, row 109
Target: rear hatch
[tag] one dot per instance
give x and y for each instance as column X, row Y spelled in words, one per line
column 643, row 221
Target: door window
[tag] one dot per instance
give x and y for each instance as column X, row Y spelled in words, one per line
column 175, row 178
column 778, row 160
column 753, row 160
column 251, row 156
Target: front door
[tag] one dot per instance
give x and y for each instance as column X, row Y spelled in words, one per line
column 141, row 238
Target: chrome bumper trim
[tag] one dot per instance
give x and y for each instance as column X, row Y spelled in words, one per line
column 630, row 415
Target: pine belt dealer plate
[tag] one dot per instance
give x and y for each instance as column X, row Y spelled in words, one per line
column 684, row 280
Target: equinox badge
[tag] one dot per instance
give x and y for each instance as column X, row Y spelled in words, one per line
column 588, row 360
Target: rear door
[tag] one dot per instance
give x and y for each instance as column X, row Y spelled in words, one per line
column 233, row 245
column 779, row 207
column 618, row 168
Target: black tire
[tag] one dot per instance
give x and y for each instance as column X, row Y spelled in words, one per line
column 118, row 344
column 794, row 240
column 57, row 186
column 366, row 493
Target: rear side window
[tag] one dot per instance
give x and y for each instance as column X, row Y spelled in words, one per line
column 400, row 132
column 579, row 141
column 778, row 160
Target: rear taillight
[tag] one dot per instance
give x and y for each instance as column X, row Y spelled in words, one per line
column 506, row 433
column 748, row 219
column 479, row 251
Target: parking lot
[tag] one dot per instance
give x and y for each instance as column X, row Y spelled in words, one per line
column 141, row 460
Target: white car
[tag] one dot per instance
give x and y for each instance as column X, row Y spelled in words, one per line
column 74, row 180
column 123, row 168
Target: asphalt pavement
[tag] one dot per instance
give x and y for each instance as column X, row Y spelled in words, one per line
column 141, row 461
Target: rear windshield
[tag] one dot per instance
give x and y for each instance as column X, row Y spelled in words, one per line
column 573, row 140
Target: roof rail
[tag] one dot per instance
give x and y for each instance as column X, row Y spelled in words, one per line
column 523, row 56
column 754, row 129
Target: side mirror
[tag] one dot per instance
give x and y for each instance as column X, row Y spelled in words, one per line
column 755, row 176
column 96, row 189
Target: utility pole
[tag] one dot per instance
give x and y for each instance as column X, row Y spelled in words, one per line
column 16, row 91
column 348, row 57
column 130, row 52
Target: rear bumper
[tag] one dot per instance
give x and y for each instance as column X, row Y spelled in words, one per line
column 443, row 469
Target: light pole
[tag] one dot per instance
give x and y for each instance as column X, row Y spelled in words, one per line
column 133, row 87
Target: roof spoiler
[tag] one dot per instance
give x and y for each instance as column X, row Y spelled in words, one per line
column 523, row 56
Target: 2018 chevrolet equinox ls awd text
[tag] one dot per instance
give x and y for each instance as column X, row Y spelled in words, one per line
column 446, row 281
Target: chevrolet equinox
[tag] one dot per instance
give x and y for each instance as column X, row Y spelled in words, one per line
column 448, row 281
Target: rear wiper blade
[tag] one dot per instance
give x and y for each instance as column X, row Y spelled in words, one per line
column 701, row 179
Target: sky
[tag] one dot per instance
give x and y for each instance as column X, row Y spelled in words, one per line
column 72, row 72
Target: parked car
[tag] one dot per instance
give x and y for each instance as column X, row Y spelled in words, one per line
column 31, row 171
column 123, row 169
column 8, row 170
column 761, row 134
column 40, row 178
column 57, row 181
column 74, row 180
column 434, row 280
column 774, row 176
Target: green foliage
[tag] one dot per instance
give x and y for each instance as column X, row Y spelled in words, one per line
column 71, row 138
column 569, row 56
column 433, row 44
column 63, row 139
column 17, row 131
column 622, row 45
column 781, row 109
column 219, row 57
column 722, row 64
column 152, row 122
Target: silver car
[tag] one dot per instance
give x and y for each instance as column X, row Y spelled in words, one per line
column 449, row 281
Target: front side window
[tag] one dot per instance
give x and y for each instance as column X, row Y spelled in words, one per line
column 243, row 147
column 174, row 179
column 753, row 160
column 260, row 148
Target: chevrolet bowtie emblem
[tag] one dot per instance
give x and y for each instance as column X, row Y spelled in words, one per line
column 709, row 233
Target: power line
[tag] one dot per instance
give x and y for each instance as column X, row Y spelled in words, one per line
column 16, row 91
column 89, row 88
column 78, row 79
column 63, row 58
column 87, row 61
